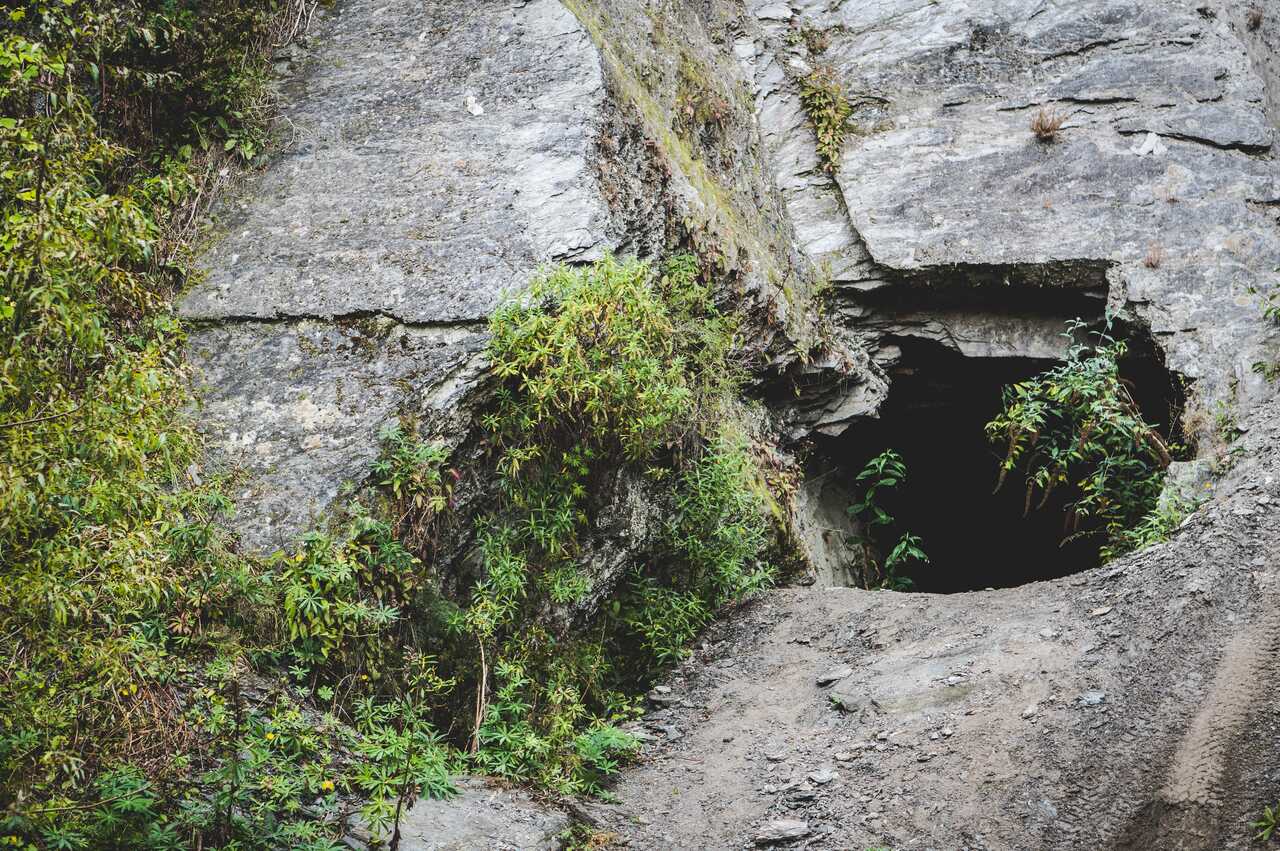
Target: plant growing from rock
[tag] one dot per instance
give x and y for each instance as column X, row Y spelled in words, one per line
column 1269, row 301
column 1265, row 826
column 1076, row 428
column 698, row 106
column 829, row 111
column 884, row 472
column 1154, row 256
column 1253, row 18
column 1046, row 123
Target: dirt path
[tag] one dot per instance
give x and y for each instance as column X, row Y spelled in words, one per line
column 1112, row 709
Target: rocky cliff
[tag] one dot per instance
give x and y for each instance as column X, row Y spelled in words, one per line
column 436, row 154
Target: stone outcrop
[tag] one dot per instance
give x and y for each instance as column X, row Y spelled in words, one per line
column 1164, row 151
column 435, row 154
column 479, row 818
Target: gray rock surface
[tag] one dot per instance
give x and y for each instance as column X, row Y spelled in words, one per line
column 480, row 818
column 1166, row 141
column 436, row 154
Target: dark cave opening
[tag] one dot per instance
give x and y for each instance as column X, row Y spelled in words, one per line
column 934, row 417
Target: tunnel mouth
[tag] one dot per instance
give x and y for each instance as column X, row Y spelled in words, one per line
column 976, row 537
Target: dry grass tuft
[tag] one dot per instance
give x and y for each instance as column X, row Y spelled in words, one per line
column 1046, row 124
column 1253, row 18
column 1155, row 255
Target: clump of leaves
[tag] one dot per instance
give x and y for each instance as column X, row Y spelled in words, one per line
column 1266, row 823
column 1156, row 526
column 882, row 473
column 825, row 103
column 1046, row 123
column 415, row 473
column 116, row 578
column 815, row 40
column 1077, row 427
column 1269, row 301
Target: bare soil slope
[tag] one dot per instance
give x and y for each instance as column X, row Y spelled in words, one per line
column 1127, row 707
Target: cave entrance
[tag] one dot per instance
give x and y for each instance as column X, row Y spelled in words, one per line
column 934, row 417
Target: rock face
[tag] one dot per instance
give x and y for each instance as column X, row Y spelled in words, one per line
column 481, row 818
column 1165, row 142
column 437, row 153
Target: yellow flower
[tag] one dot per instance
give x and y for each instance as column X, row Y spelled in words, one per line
column 270, row 736
column 327, row 786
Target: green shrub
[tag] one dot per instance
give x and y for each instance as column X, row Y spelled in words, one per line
column 605, row 368
column 1077, row 427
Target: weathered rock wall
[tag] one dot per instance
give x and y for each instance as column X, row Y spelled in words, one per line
column 437, row 153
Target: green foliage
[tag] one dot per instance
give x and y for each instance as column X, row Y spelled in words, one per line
column 342, row 598
column 1077, row 427
column 117, row 584
column 1266, row 823
column 882, row 473
column 1270, row 307
column 413, row 471
column 398, row 755
column 824, row 101
column 698, row 106
column 609, row 370
column 666, row 619
column 717, row 526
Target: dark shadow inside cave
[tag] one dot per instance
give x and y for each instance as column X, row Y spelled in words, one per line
column 934, row 417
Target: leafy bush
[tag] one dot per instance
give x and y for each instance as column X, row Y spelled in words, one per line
column 1077, row 427
column 606, row 368
column 341, row 599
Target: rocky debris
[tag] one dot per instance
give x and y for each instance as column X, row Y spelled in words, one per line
column 1093, row 698
column 782, row 831
column 982, row 733
column 834, row 675
column 479, row 818
column 823, row 776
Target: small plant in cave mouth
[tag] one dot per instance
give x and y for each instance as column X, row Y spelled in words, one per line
column 1077, row 427
column 884, row 472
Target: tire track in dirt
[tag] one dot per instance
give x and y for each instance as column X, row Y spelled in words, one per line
column 1188, row 807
